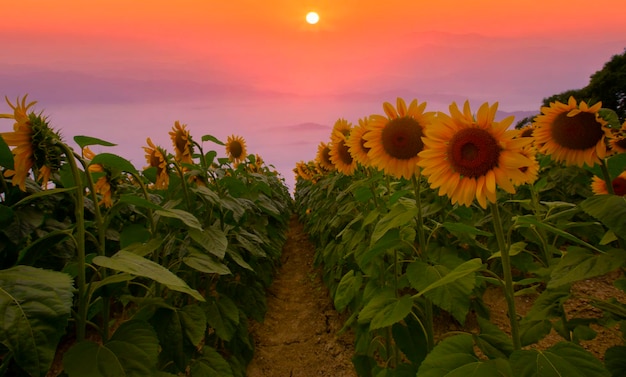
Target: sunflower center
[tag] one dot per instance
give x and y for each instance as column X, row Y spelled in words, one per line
column 402, row 138
column 619, row 186
column 236, row 149
column 580, row 132
column 344, row 153
column 181, row 142
column 155, row 161
column 473, row 152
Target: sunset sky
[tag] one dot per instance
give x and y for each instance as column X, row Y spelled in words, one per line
column 126, row 70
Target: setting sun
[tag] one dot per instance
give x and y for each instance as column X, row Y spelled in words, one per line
column 312, row 18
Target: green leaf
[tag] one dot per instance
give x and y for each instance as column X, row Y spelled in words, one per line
column 532, row 331
column 462, row 270
column 530, row 220
column 456, row 228
column 41, row 194
column 6, row 156
column 450, row 354
column 615, row 361
column 515, row 249
column 115, row 163
column 579, row 264
column 90, row 359
column 455, row 298
column 35, row 305
column 348, row 287
column 134, row 233
column 411, row 339
column 139, row 202
column 494, row 342
column 132, row 351
column 84, row 141
column 223, row 316
column 385, row 309
column 211, row 239
column 186, row 217
column 205, row 263
column 6, row 216
column 143, row 249
column 563, row 359
column 194, row 322
column 211, row 364
column 212, row 138
column 609, row 209
column 134, row 264
column 401, row 214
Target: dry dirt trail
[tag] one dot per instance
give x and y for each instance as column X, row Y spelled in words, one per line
column 299, row 336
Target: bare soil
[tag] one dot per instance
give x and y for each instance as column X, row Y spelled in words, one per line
column 300, row 334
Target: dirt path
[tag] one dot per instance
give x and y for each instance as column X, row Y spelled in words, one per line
column 299, row 335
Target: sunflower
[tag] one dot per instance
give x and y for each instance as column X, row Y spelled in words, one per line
column 302, row 171
column 103, row 184
column 396, row 139
column 323, row 157
column 35, row 145
column 572, row 133
column 618, row 140
column 155, row 156
column 356, row 143
column 598, row 185
column 340, row 155
column 341, row 128
column 465, row 157
column 181, row 140
column 236, row 148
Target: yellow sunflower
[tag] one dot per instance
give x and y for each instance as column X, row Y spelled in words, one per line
column 618, row 140
column 572, row 133
column 181, row 140
column 341, row 128
column 155, row 156
column 340, row 155
column 598, row 185
column 236, row 148
column 356, row 143
column 35, row 145
column 466, row 157
column 395, row 140
column 323, row 157
column 103, row 184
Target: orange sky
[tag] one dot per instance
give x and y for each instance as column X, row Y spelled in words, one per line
column 249, row 65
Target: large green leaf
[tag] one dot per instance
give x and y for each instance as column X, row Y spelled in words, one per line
column 562, row 360
column 385, row 309
column 193, row 319
column 462, row 270
column 401, row 214
column 6, row 156
column 409, row 336
column 134, row 264
column 84, row 141
column 211, row 364
column 454, row 298
column 211, row 239
column 579, row 264
column 223, row 316
column 530, row 220
column 450, row 354
column 615, row 361
column 35, row 305
column 205, row 263
column 348, row 287
column 609, row 209
column 132, row 351
column 494, row 342
column 115, row 163
column 186, row 217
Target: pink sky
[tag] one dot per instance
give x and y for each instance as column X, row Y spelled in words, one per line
column 126, row 70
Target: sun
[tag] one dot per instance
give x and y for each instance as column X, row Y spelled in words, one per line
column 312, row 18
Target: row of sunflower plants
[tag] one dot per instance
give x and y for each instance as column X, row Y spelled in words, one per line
column 416, row 214
column 106, row 270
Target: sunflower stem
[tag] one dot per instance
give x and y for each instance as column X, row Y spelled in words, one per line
column 509, row 294
column 101, row 243
column 428, row 304
column 184, row 185
column 79, row 213
column 607, row 176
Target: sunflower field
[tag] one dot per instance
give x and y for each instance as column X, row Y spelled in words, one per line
column 120, row 272
column 417, row 215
